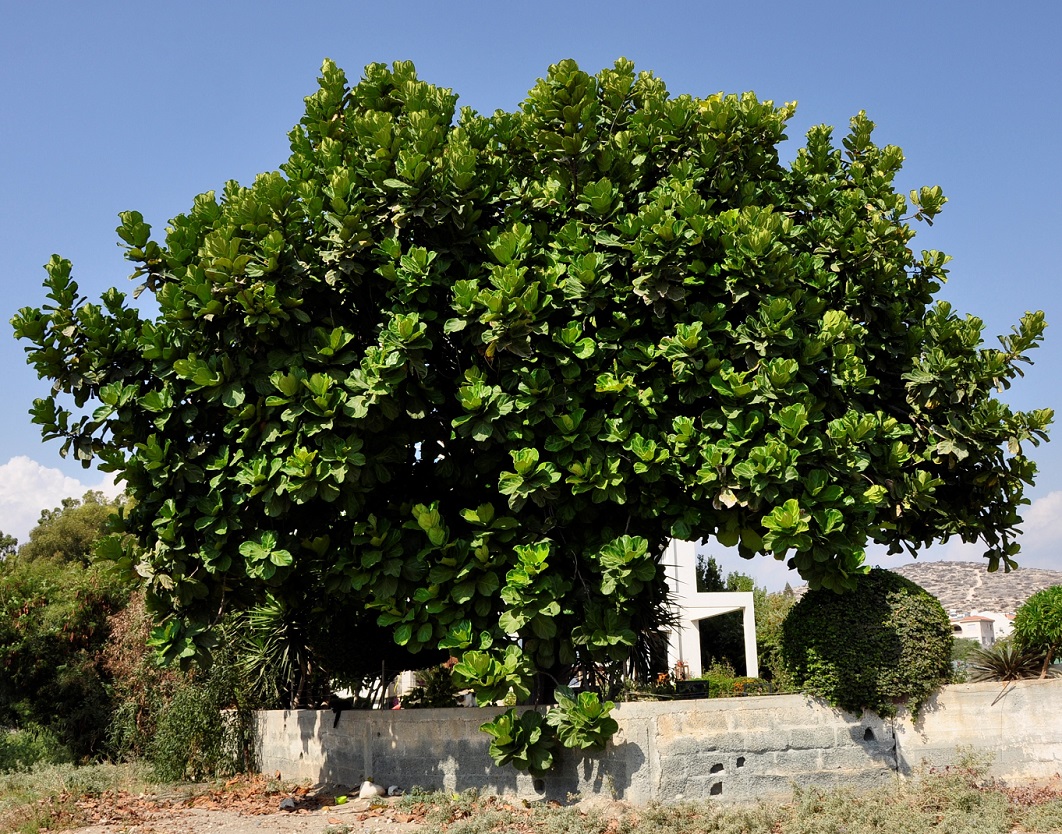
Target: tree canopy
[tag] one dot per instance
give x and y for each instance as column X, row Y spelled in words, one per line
column 68, row 533
column 465, row 374
column 1038, row 624
column 54, row 610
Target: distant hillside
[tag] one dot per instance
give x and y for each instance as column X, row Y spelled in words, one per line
column 968, row 586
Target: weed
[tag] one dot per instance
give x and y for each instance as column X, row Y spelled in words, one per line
column 1043, row 818
column 959, row 799
column 45, row 798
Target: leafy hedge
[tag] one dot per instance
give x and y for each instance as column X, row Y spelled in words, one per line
column 884, row 644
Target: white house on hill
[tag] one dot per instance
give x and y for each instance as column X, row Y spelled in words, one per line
column 983, row 626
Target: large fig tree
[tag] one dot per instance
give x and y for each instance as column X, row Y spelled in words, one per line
column 466, row 374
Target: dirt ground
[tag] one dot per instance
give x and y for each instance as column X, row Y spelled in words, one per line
column 246, row 807
column 354, row 817
column 254, row 808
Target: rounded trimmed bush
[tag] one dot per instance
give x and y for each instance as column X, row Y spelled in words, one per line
column 885, row 644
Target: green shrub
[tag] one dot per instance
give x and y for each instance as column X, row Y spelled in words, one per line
column 21, row 750
column 961, row 650
column 1038, row 625
column 435, row 689
column 206, row 728
column 752, row 686
column 187, row 744
column 53, row 625
column 720, row 677
column 771, row 611
column 525, row 741
column 141, row 687
column 582, row 721
column 886, row 643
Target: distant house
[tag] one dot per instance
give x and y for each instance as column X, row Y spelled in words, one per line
column 981, row 629
column 986, row 627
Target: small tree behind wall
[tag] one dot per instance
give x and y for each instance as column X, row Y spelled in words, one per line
column 1038, row 625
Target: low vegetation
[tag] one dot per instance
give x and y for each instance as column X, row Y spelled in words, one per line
column 53, row 797
column 1005, row 660
column 955, row 799
column 961, row 799
column 80, row 682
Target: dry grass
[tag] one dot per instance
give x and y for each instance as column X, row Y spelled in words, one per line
column 51, row 798
column 955, row 800
column 960, row 799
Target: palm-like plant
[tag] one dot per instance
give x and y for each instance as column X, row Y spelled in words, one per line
column 274, row 653
column 1004, row 661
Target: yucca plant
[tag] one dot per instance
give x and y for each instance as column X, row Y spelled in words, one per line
column 274, row 654
column 1004, row 661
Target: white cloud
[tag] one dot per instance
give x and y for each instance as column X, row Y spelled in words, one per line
column 1042, row 525
column 27, row 487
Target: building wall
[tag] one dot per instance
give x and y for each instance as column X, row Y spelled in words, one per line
column 1002, row 622
column 737, row 749
column 980, row 629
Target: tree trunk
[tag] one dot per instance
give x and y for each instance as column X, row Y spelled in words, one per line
column 1047, row 661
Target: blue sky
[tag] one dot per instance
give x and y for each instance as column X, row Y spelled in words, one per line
column 106, row 107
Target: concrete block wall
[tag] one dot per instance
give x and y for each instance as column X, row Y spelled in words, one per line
column 1017, row 725
column 738, row 749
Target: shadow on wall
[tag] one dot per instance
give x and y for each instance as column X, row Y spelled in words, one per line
column 436, row 749
column 606, row 773
column 933, row 705
column 443, row 749
column 876, row 736
column 741, row 749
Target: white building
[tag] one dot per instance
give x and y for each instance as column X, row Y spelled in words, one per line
column 684, row 642
column 986, row 627
column 976, row 628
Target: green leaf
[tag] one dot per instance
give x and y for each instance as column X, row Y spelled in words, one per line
column 403, row 634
